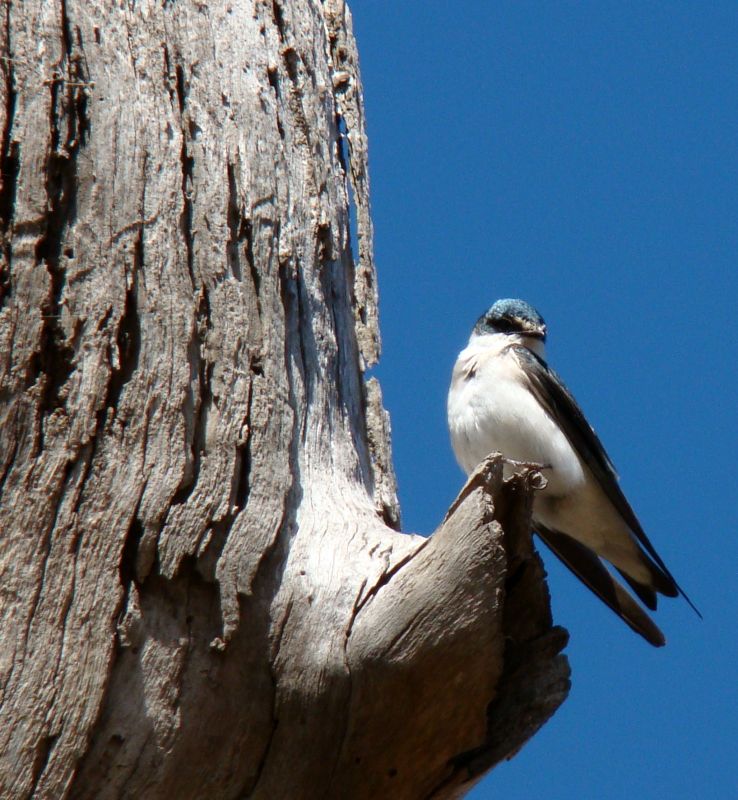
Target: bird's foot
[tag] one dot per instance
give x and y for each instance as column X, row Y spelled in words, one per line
column 527, row 465
column 531, row 472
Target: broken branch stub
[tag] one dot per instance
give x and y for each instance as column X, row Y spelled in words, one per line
column 454, row 650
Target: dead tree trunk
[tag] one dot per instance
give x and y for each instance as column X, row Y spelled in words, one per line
column 203, row 590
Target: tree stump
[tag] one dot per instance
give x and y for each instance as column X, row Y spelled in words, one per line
column 204, row 589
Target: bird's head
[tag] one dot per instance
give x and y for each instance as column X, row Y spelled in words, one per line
column 514, row 318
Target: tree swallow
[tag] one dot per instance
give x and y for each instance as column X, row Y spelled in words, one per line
column 505, row 398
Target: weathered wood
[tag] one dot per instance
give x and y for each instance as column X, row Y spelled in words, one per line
column 203, row 592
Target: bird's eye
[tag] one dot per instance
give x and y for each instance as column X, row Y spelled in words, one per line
column 502, row 325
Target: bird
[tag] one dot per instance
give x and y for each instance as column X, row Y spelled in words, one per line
column 505, row 398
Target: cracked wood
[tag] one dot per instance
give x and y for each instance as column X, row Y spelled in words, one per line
column 202, row 587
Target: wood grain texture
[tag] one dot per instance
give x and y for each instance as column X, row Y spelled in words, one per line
column 203, row 591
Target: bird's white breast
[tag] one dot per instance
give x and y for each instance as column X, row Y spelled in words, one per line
column 491, row 408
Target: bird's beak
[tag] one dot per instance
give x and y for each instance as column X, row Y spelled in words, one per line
column 539, row 333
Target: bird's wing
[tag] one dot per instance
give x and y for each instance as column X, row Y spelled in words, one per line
column 592, row 572
column 551, row 393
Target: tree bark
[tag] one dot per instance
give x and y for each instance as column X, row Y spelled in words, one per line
column 204, row 592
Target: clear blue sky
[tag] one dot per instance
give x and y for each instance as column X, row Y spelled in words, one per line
column 582, row 156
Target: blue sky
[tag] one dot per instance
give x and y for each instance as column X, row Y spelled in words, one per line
column 584, row 157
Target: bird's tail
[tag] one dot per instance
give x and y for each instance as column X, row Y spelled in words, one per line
column 593, row 573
